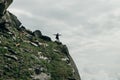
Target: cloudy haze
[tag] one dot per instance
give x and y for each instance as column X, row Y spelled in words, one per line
column 90, row 28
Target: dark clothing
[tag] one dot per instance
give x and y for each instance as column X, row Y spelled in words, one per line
column 57, row 36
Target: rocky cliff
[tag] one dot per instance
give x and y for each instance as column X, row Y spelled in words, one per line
column 27, row 55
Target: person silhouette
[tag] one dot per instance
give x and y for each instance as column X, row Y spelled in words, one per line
column 57, row 36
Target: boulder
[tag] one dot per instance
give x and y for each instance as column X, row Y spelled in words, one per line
column 37, row 33
column 22, row 29
column 58, row 42
column 65, row 50
column 46, row 38
column 14, row 20
column 29, row 32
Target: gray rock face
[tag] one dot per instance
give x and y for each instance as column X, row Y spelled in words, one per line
column 75, row 70
column 14, row 20
column 4, row 4
column 8, row 2
column 2, row 8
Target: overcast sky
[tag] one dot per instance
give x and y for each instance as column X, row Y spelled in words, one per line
column 90, row 28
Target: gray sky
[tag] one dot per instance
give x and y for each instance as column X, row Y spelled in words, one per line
column 90, row 28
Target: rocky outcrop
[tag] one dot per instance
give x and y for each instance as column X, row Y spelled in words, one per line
column 27, row 55
column 71, row 62
column 4, row 4
column 38, row 34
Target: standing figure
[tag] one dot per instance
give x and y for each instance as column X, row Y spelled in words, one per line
column 57, row 36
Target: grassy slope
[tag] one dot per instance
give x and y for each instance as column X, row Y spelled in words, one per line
column 28, row 57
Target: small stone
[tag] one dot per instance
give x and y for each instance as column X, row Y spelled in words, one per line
column 34, row 44
column 17, row 45
column 42, row 57
column 57, row 51
column 64, row 59
column 42, row 76
column 11, row 56
column 39, row 53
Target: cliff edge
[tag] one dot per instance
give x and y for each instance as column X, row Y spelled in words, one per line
column 27, row 55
